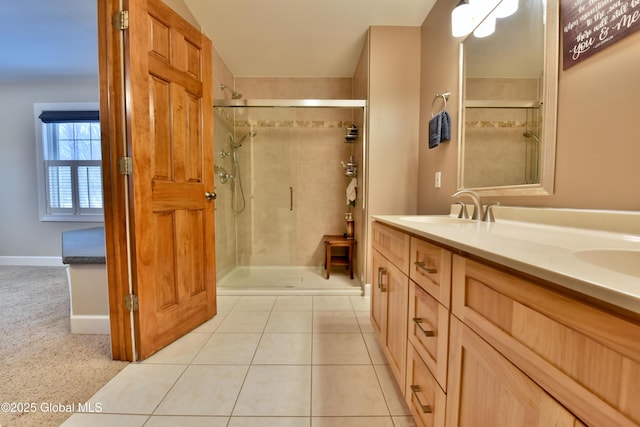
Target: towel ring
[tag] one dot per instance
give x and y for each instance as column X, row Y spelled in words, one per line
column 444, row 97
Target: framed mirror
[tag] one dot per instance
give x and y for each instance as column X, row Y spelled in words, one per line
column 508, row 87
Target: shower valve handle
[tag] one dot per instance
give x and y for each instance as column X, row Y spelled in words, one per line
column 210, row 195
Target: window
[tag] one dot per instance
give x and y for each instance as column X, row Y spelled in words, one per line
column 69, row 163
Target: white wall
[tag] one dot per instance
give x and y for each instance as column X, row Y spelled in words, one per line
column 21, row 232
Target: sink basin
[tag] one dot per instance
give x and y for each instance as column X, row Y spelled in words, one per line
column 435, row 219
column 620, row 260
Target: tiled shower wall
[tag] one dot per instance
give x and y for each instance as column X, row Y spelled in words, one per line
column 293, row 181
column 494, row 136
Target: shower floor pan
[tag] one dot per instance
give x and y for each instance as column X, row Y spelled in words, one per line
column 287, row 281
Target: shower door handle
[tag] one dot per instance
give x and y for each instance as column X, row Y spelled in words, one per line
column 210, row 195
column 291, row 198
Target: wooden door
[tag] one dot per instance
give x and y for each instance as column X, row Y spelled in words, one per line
column 167, row 117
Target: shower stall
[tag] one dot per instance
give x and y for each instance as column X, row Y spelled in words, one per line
column 283, row 168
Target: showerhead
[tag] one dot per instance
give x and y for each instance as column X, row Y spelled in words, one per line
column 234, row 94
column 238, row 144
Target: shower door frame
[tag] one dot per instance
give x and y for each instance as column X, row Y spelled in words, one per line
column 363, row 252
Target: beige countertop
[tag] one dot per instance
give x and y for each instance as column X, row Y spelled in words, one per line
column 547, row 251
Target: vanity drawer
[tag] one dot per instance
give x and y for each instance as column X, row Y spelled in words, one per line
column 425, row 398
column 392, row 244
column 430, row 267
column 429, row 331
column 586, row 357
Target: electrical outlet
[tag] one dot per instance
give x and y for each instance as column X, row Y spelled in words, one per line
column 438, row 179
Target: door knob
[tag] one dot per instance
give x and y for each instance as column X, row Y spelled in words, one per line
column 210, row 195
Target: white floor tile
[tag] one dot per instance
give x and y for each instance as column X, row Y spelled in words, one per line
column 335, row 322
column 254, row 303
column 339, row 349
column 275, row 391
column 360, row 303
column 105, row 420
column 244, row 322
column 391, row 390
column 181, row 351
column 346, row 391
column 204, row 390
column 269, row 422
column 289, row 322
column 293, row 303
column 351, row 422
column 375, row 351
column 228, row 349
column 284, row 349
column 185, row 421
column 138, row 388
column 331, row 303
column 211, row 325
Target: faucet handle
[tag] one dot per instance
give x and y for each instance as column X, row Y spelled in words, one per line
column 488, row 212
column 464, row 214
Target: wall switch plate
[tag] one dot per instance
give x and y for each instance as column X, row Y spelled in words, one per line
column 438, row 179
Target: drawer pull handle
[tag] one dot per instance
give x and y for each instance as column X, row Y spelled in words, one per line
column 418, row 321
column 428, row 270
column 381, row 272
column 426, row 409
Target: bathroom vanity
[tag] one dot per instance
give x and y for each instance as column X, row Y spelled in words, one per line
column 511, row 323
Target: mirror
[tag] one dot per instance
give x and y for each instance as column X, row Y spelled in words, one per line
column 508, row 87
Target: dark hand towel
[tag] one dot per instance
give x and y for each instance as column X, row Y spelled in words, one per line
column 439, row 129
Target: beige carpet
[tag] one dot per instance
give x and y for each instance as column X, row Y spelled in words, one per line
column 41, row 362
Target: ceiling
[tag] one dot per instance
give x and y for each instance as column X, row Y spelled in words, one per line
column 44, row 39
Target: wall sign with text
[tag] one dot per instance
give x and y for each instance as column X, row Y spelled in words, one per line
column 590, row 26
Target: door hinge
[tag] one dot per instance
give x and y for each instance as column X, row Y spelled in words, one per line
column 131, row 302
column 121, row 20
column 125, row 165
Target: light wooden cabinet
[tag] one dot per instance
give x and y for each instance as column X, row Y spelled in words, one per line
column 586, row 357
column 477, row 344
column 486, row 390
column 389, row 296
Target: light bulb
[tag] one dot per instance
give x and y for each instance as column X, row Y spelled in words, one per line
column 461, row 20
column 506, row 8
column 487, row 27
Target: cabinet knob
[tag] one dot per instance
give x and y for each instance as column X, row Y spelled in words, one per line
column 419, row 321
column 426, row 409
column 381, row 272
column 424, row 268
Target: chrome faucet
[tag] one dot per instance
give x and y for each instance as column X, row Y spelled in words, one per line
column 477, row 203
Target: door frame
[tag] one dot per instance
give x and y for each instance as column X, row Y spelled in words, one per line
column 116, row 186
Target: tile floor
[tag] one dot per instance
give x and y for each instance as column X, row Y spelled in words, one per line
column 263, row 361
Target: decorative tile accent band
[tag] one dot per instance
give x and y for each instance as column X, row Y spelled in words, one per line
column 495, row 124
column 329, row 124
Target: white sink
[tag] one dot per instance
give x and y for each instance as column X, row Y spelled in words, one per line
column 620, row 260
column 435, row 219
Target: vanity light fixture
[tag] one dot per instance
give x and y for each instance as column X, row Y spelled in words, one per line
column 462, row 19
column 466, row 16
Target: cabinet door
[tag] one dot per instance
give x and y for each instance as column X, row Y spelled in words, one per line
column 585, row 357
column 390, row 294
column 485, row 389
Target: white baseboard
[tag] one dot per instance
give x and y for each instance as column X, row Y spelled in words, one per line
column 89, row 324
column 36, row 261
